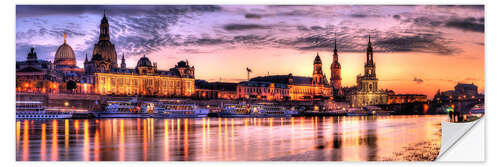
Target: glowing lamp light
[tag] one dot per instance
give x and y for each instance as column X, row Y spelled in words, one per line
column 66, row 104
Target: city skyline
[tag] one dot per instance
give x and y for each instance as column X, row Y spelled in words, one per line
column 403, row 45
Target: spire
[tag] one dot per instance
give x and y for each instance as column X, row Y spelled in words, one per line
column 335, row 46
column 123, row 66
column 369, row 40
column 86, row 59
column 104, row 19
column 104, row 28
column 65, row 37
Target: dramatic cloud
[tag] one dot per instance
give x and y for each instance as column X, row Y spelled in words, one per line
column 144, row 29
column 239, row 27
column 468, row 24
column 425, row 21
column 44, row 10
column 252, row 16
column 426, row 43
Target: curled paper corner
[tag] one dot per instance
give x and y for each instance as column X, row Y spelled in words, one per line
column 452, row 133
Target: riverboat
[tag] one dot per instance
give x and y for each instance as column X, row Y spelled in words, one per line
column 35, row 110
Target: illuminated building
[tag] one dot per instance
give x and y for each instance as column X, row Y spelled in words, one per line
column 263, row 91
column 462, row 92
column 367, row 92
column 318, row 78
column 34, row 75
column 105, row 77
column 301, row 88
column 144, row 80
column 466, row 91
column 335, row 77
column 405, row 98
column 64, row 58
column 215, row 90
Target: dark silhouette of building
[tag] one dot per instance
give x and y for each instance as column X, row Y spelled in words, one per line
column 104, row 48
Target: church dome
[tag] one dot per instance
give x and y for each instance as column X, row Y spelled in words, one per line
column 144, row 61
column 182, row 64
column 65, row 55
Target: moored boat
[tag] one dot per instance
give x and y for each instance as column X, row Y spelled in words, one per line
column 35, row 110
column 165, row 110
column 123, row 109
column 271, row 111
column 236, row 111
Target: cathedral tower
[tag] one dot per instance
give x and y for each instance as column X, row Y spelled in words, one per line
column 370, row 65
column 318, row 76
column 335, row 77
column 123, row 66
column 367, row 92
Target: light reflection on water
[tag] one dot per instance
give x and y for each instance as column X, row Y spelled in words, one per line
column 357, row 138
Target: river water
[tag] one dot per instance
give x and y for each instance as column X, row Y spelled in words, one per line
column 344, row 138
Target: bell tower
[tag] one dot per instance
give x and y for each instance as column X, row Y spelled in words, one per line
column 369, row 65
column 335, row 77
column 123, row 66
column 318, row 76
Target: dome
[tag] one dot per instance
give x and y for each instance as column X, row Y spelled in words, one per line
column 65, row 55
column 182, row 64
column 144, row 61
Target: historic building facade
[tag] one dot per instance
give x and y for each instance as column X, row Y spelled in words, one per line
column 104, row 48
column 263, row 91
column 36, row 76
column 462, row 91
column 367, row 91
column 65, row 63
column 215, row 90
column 101, row 74
column 393, row 98
column 335, row 76
column 298, row 88
column 106, row 78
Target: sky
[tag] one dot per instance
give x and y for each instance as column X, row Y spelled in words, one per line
column 417, row 49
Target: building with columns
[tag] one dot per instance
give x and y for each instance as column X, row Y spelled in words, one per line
column 367, row 91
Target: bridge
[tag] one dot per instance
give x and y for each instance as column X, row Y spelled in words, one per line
column 463, row 105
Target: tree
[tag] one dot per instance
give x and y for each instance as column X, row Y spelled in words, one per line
column 70, row 85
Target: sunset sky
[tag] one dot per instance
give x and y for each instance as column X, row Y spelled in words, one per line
column 417, row 49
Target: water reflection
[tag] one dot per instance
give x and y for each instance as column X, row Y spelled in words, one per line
column 298, row 138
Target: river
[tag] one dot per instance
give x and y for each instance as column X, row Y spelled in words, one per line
column 342, row 138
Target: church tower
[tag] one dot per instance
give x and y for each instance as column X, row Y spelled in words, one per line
column 335, row 77
column 367, row 92
column 369, row 65
column 318, row 76
column 123, row 66
column 104, row 48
